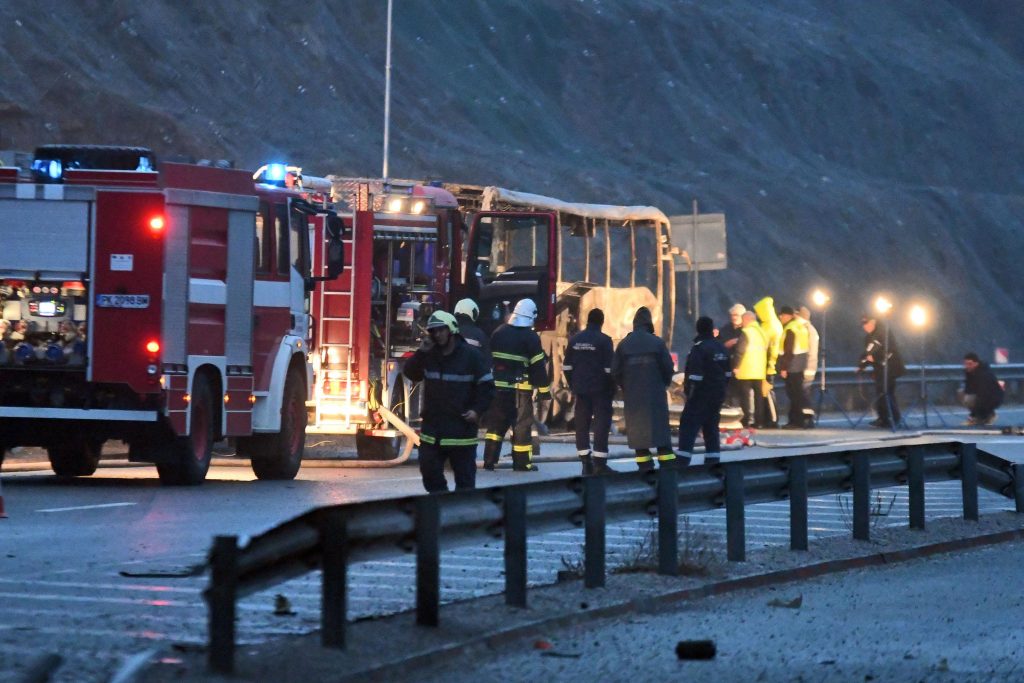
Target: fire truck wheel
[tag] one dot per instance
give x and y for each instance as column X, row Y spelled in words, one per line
column 78, row 457
column 189, row 456
column 279, row 456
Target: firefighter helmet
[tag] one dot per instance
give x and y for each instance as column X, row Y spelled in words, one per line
column 468, row 308
column 524, row 314
column 443, row 319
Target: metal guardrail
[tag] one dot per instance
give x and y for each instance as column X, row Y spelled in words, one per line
column 330, row 538
column 845, row 375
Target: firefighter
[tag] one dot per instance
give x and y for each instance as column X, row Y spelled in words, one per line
column 749, row 364
column 707, row 373
column 458, row 388
column 643, row 368
column 587, row 367
column 520, row 366
column 466, row 314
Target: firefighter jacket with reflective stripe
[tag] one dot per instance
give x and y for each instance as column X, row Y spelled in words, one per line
column 519, row 360
column 452, row 385
column 474, row 336
column 795, row 345
column 752, row 353
column 588, row 362
column 707, row 368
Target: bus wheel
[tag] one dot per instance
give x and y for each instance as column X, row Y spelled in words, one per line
column 188, row 458
column 77, row 457
column 279, row 456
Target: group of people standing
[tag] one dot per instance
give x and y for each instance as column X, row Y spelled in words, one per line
column 763, row 345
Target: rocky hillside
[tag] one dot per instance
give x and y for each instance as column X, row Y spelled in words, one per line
column 861, row 145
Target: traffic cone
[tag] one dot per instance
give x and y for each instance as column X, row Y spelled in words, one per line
column 3, row 514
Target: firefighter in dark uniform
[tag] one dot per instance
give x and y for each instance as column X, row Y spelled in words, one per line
column 520, row 367
column 466, row 314
column 587, row 367
column 708, row 370
column 457, row 390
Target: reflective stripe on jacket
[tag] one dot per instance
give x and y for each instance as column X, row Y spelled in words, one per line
column 519, row 360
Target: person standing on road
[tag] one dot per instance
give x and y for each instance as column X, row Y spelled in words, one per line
column 707, row 374
column 466, row 314
column 813, row 348
column 457, row 390
column 792, row 363
column 772, row 328
column 982, row 392
column 520, row 367
column 643, row 368
column 587, row 366
column 730, row 337
column 749, row 364
column 882, row 356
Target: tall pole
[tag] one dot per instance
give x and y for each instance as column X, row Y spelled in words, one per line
column 824, row 345
column 694, row 266
column 924, row 385
column 387, row 96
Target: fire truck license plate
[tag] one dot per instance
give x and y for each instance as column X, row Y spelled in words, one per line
column 122, row 300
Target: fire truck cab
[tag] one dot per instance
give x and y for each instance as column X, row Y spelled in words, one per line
column 165, row 305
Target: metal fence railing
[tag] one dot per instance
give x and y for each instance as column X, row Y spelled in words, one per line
column 329, row 538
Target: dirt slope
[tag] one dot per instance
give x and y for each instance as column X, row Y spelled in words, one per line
column 864, row 145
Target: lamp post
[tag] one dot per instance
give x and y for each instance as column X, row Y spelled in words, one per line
column 821, row 299
column 919, row 318
column 387, row 95
column 883, row 306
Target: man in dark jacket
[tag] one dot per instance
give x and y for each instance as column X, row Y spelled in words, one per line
column 466, row 313
column 982, row 393
column 708, row 370
column 457, row 389
column 881, row 354
column 520, row 367
column 643, row 368
column 587, row 365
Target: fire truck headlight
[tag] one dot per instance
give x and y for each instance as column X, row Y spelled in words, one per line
column 395, row 205
column 418, row 206
column 151, row 370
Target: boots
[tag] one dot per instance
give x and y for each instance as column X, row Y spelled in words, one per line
column 491, row 454
column 586, row 463
column 521, row 462
column 600, row 466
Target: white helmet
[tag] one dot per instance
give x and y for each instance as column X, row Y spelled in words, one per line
column 524, row 314
column 468, row 308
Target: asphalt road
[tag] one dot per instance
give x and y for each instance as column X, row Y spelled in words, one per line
column 88, row 567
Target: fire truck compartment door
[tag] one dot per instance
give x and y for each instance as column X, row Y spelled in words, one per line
column 46, row 237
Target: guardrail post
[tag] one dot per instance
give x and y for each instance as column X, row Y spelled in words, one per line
column 668, row 521
column 221, row 598
column 735, row 532
column 798, row 502
column 862, row 496
column 1017, row 470
column 969, row 479
column 428, row 560
column 594, row 531
column 915, row 486
column 515, row 546
column 333, row 586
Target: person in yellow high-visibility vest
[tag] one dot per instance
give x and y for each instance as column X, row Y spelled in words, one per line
column 772, row 328
column 792, row 363
column 750, row 362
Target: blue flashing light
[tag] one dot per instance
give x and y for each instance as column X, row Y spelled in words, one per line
column 54, row 169
column 275, row 173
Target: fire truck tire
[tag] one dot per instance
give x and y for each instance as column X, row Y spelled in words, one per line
column 189, row 456
column 279, row 456
column 78, row 457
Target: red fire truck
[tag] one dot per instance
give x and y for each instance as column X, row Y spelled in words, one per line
column 167, row 308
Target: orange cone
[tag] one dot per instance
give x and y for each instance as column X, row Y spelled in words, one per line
column 3, row 514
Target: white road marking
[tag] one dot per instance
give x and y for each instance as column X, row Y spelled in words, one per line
column 87, row 507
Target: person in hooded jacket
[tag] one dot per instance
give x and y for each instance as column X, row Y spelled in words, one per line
column 708, row 370
column 587, row 365
column 982, row 393
column 520, row 368
column 457, row 389
column 466, row 314
column 643, row 368
column 772, row 328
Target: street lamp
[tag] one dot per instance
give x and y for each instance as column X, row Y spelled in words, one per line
column 821, row 299
column 883, row 306
column 919, row 318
